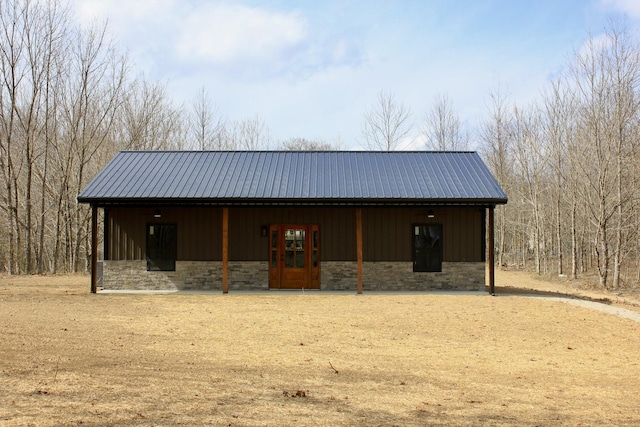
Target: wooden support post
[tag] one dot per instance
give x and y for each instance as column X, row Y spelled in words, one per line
column 94, row 249
column 225, row 250
column 359, row 246
column 490, row 255
column 106, row 232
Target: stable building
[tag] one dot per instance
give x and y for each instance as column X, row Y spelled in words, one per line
column 326, row 220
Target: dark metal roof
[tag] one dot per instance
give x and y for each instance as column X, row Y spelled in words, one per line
column 281, row 177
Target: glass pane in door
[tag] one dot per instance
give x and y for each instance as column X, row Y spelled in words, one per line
column 274, row 247
column 294, row 248
column 314, row 248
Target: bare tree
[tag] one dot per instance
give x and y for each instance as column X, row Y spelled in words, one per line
column 13, row 73
column 208, row 129
column 559, row 131
column 66, row 106
column 531, row 163
column 94, row 96
column 31, row 46
column 575, row 179
column 606, row 75
column 250, row 134
column 624, row 65
column 302, row 144
column 442, row 126
column 496, row 135
column 148, row 120
column 386, row 123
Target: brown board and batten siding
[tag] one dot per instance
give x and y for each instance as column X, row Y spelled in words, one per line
column 245, row 243
column 386, row 232
column 199, row 233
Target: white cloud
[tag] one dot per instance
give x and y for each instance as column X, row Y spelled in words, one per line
column 88, row 10
column 125, row 16
column 231, row 40
column 630, row 7
column 230, row 33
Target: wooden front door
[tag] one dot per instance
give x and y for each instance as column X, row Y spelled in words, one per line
column 294, row 256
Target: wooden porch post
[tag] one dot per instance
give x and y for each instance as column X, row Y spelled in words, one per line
column 359, row 246
column 225, row 250
column 94, row 249
column 490, row 255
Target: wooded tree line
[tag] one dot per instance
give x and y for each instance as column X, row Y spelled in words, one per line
column 69, row 102
column 570, row 165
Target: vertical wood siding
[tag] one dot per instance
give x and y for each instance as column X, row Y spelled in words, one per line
column 387, row 232
column 337, row 231
column 199, row 232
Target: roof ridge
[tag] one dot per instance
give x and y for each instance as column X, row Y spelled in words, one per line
column 306, row 151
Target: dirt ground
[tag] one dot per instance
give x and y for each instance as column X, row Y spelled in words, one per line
column 71, row 358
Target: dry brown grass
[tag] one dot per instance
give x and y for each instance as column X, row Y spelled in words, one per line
column 71, row 358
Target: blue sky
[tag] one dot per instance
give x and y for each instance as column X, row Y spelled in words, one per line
column 312, row 68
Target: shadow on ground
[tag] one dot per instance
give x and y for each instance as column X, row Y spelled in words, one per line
column 511, row 290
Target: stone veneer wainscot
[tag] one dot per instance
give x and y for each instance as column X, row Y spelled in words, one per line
column 253, row 275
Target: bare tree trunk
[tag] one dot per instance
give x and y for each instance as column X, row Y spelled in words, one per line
column 602, row 248
column 501, row 240
column 574, row 242
column 617, row 252
column 559, row 232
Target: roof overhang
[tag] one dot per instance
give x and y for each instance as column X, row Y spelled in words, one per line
column 290, row 202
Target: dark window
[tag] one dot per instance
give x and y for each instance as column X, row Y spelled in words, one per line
column 162, row 247
column 427, row 247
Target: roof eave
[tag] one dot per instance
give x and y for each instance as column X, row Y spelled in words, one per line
column 104, row 202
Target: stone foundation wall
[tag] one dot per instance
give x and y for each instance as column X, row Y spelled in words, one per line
column 248, row 275
column 396, row 276
column 189, row 275
column 338, row 275
column 254, row 275
column 399, row 276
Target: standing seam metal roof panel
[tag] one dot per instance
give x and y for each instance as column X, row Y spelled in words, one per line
column 442, row 178
column 129, row 174
column 191, row 187
column 361, row 176
column 401, row 177
column 174, row 177
column 181, row 176
column 106, row 186
column 153, row 178
column 156, row 176
column 421, row 179
column 132, row 176
column 475, row 179
column 451, row 181
column 229, row 181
